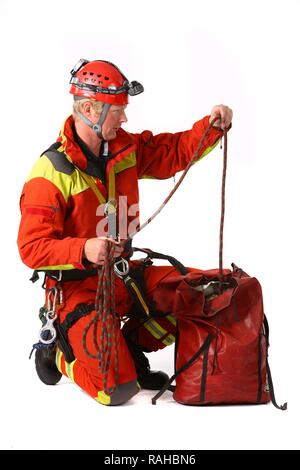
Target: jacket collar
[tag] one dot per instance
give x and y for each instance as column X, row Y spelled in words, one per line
column 120, row 147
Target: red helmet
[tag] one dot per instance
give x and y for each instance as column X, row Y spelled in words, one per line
column 102, row 81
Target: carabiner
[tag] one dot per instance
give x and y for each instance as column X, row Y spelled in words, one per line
column 50, row 317
column 123, row 270
column 52, row 308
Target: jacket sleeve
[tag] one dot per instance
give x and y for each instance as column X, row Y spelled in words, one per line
column 43, row 208
column 163, row 155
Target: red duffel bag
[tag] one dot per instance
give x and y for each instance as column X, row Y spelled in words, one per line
column 222, row 342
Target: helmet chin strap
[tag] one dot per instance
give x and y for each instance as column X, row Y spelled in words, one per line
column 97, row 128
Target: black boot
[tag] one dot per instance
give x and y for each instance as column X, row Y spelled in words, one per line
column 152, row 379
column 46, row 367
column 148, row 379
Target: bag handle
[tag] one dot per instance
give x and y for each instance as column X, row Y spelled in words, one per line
column 155, row 255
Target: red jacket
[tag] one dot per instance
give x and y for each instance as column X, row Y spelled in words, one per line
column 59, row 209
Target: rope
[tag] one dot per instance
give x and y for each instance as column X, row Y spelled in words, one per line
column 222, row 207
column 106, row 342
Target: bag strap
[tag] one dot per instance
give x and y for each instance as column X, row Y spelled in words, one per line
column 155, row 255
column 205, row 347
column 269, row 376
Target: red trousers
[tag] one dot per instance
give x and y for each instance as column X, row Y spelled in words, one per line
column 152, row 335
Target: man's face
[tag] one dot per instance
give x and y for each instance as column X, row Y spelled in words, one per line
column 113, row 121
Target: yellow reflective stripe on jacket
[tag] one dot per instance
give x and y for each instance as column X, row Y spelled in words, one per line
column 171, row 319
column 158, row 332
column 209, row 149
column 68, row 366
column 103, row 398
column 170, row 339
column 58, row 267
column 58, row 359
column 68, row 185
column 70, row 369
column 127, row 162
column 155, row 329
column 147, row 177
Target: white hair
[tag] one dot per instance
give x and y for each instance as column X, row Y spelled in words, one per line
column 77, row 106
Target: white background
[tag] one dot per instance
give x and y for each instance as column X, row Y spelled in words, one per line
column 190, row 56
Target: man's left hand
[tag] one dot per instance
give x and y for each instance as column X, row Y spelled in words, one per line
column 223, row 114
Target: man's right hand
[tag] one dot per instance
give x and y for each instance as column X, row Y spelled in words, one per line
column 94, row 249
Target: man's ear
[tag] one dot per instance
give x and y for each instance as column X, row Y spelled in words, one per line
column 86, row 108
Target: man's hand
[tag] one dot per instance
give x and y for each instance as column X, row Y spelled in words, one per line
column 223, row 114
column 94, row 249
